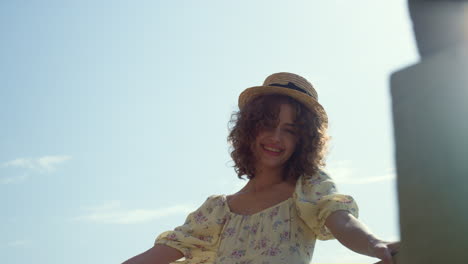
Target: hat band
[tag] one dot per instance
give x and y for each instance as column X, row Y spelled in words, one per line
column 292, row 86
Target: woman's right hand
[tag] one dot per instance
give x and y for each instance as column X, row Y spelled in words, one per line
column 386, row 251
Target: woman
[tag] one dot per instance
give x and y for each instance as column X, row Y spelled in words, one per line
column 279, row 142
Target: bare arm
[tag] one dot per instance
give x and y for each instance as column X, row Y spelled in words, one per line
column 158, row 254
column 357, row 237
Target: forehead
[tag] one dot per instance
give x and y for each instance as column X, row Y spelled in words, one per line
column 287, row 114
column 266, row 110
column 274, row 101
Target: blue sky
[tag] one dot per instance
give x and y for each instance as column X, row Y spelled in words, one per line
column 114, row 113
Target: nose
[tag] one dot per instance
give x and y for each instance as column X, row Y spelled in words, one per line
column 276, row 136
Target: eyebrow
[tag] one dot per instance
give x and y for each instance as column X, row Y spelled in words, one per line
column 289, row 124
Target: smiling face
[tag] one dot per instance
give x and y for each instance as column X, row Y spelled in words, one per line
column 253, row 147
column 274, row 145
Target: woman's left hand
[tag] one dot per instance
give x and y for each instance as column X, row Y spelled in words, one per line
column 384, row 250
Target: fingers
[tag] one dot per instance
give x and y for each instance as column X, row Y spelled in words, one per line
column 394, row 247
column 385, row 251
column 385, row 256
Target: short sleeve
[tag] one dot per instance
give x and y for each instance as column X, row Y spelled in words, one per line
column 316, row 198
column 198, row 237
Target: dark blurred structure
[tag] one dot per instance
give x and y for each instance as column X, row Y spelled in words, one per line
column 438, row 25
column 430, row 115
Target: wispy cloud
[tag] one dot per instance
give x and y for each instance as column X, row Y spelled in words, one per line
column 366, row 180
column 42, row 164
column 13, row 179
column 112, row 213
column 19, row 243
column 45, row 164
column 343, row 172
column 342, row 255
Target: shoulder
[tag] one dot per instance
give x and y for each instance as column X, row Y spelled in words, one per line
column 315, row 185
column 216, row 200
column 320, row 178
column 212, row 211
column 214, row 204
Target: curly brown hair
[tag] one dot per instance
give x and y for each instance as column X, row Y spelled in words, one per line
column 262, row 112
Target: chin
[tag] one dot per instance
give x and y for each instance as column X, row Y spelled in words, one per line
column 273, row 165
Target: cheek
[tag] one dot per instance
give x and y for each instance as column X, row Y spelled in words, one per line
column 294, row 146
column 293, row 149
column 254, row 147
column 293, row 141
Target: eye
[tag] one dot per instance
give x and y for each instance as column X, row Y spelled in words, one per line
column 269, row 126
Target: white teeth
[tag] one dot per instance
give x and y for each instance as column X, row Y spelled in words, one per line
column 272, row 149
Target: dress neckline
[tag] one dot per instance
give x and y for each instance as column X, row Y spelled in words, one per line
column 253, row 214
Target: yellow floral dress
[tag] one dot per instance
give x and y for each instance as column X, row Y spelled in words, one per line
column 283, row 233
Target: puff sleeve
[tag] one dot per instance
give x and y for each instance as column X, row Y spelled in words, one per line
column 198, row 237
column 316, row 198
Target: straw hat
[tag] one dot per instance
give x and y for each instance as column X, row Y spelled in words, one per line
column 288, row 84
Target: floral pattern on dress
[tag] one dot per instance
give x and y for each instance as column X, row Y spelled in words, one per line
column 238, row 253
column 271, row 251
column 283, row 233
column 284, row 237
column 200, row 218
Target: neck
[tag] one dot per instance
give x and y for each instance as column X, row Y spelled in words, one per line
column 265, row 178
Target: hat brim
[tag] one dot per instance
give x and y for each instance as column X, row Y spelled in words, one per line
column 308, row 101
